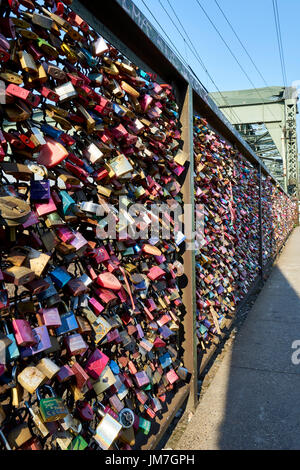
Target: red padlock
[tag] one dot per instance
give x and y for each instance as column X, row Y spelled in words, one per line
column 75, row 170
column 50, row 94
column 23, row 94
column 4, row 55
column 7, row 28
column 13, row 138
column 14, row 5
column 36, row 54
column 67, row 140
column 27, row 141
column 59, row 9
column 76, row 81
column 85, row 411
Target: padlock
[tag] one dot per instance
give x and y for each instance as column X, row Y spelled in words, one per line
column 40, row 190
column 48, row 367
column 85, row 411
column 43, row 342
column 96, row 363
column 68, row 323
column 11, row 350
column 60, row 277
column 108, row 429
column 78, row 443
column 31, row 378
column 36, row 418
column 32, row 444
column 20, row 434
column 18, row 275
column 4, row 300
column 23, row 332
column 27, row 62
column 53, row 408
column 81, row 376
column 50, row 317
column 65, row 373
column 22, row 93
column 75, row 344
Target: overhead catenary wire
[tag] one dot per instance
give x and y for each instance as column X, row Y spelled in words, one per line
column 241, row 43
column 279, row 40
column 180, row 56
column 194, row 51
column 244, row 48
column 165, row 34
column 234, row 56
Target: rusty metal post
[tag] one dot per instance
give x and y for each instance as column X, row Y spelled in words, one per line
column 189, row 344
column 260, row 230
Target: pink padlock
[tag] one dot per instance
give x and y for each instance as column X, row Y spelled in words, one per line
column 46, row 208
column 23, row 333
column 50, row 317
column 97, row 307
column 96, row 364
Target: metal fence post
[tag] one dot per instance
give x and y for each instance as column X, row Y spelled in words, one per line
column 260, row 231
column 189, row 344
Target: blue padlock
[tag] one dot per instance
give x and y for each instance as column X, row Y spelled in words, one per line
column 96, row 77
column 12, row 350
column 203, row 329
column 67, row 202
column 60, row 277
column 51, row 132
column 95, row 117
column 74, row 303
column 88, row 168
column 48, row 292
column 68, row 323
column 114, row 367
column 92, row 62
column 165, row 360
column 118, row 111
column 40, row 190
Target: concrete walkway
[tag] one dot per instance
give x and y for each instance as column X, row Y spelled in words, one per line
column 253, row 402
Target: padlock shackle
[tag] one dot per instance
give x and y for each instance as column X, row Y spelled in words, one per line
column 5, row 442
column 47, row 387
column 5, row 327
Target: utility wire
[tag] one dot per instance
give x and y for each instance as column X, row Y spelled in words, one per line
column 195, row 53
column 279, row 40
column 234, row 56
column 243, row 46
column 180, row 56
column 164, row 32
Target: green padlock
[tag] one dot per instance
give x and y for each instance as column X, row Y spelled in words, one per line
column 144, row 425
column 53, row 408
column 78, row 443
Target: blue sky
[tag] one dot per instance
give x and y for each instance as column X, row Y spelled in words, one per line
column 254, row 23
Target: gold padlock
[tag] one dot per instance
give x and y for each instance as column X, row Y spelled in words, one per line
column 12, row 77
column 17, row 113
column 31, row 378
column 27, row 34
column 27, row 62
column 90, row 122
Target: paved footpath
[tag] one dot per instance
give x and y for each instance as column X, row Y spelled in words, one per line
column 253, row 402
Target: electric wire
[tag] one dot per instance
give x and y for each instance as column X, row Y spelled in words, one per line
column 196, row 55
column 279, row 40
column 180, row 56
column 245, row 49
column 230, row 50
column 235, row 58
column 243, row 46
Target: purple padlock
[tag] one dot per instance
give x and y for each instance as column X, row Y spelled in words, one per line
column 40, row 190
